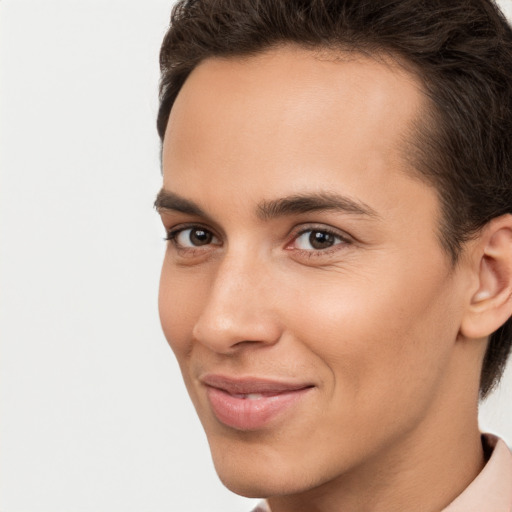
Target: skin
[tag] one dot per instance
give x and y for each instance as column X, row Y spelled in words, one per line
column 374, row 322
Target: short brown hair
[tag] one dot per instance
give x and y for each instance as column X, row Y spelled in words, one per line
column 461, row 50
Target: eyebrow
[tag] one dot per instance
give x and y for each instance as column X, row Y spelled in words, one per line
column 316, row 202
column 290, row 205
column 166, row 200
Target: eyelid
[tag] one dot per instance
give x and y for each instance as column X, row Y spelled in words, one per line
column 344, row 240
column 324, row 228
column 343, row 236
column 172, row 233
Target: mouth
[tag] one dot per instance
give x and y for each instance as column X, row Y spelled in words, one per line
column 251, row 403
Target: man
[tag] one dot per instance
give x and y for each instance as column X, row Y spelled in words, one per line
column 337, row 286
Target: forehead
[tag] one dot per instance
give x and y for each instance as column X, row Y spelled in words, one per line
column 290, row 115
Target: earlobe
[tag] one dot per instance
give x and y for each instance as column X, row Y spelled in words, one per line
column 491, row 305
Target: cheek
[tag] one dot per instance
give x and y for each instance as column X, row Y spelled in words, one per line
column 382, row 334
column 179, row 304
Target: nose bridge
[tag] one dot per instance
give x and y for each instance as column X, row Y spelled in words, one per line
column 239, row 304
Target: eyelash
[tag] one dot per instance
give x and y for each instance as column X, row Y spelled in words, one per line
column 173, row 234
column 341, row 240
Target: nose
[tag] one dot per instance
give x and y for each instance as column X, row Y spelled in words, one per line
column 240, row 308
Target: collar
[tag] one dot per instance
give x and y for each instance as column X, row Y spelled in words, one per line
column 491, row 490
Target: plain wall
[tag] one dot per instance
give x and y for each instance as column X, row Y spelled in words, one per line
column 94, row 416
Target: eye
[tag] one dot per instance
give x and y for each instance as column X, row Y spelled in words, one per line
column 317, row 240
column 196, row 236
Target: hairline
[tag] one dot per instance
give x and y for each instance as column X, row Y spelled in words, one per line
column 422, row 128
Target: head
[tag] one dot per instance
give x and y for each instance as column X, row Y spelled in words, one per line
column 338, row 191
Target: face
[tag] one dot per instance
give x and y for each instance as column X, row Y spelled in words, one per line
column 304, row 290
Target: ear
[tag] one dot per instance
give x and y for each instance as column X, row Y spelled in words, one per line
column 490, row 305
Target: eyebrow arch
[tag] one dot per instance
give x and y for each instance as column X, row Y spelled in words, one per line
column 316, row 202
column 267, row 210
column 166, row 200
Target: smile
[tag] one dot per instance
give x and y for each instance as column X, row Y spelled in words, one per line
column 251, row 404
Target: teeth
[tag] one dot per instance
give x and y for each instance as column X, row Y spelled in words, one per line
column 249, row 396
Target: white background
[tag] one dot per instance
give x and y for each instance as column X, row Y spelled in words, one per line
column 93, row 413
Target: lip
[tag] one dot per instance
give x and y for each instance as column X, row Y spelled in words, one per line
column 250, row 403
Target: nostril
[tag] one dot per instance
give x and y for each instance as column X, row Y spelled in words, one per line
column 245, row 343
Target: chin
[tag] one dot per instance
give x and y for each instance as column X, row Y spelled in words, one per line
column 258, row 472
column 247, row 487
column 255, row 484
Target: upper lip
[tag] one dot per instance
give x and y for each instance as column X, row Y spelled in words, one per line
column 248, row 385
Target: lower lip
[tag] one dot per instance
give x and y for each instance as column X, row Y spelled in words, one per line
column 251, row 414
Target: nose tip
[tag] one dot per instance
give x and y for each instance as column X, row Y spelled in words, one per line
column 230, row 330
column 237, row 313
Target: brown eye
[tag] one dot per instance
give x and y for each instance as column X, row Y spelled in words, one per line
column 321, row 239
column 200, row 237
column 193, row 237
column 317, row 239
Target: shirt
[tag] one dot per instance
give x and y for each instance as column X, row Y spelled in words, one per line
column 490, row 491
